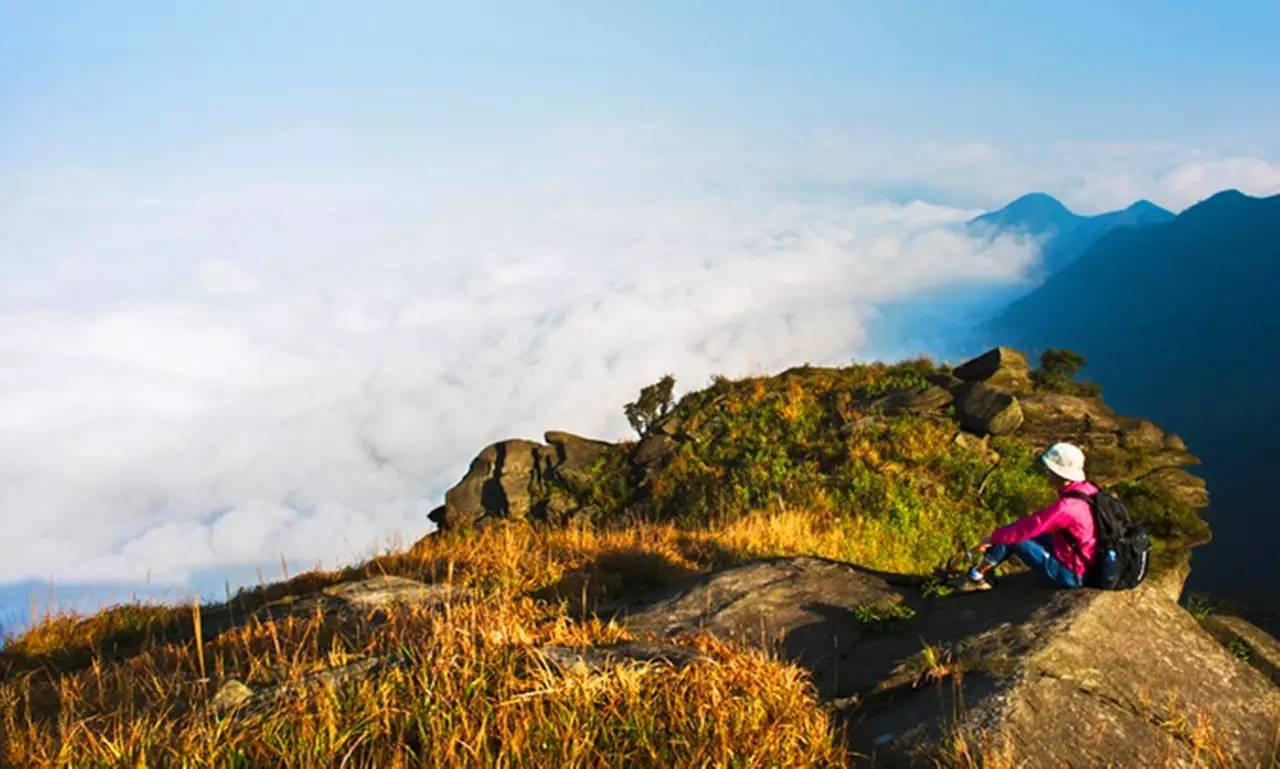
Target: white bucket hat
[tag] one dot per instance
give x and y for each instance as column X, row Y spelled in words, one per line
column 1065, row 460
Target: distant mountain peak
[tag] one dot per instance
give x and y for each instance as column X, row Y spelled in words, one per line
column 1144, row 206
column 1034, row 213
column 1224, row 203
column 1040, row 203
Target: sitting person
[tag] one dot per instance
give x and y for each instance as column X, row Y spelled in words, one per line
column 1056, row 542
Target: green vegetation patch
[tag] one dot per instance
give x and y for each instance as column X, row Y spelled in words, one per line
column 884, row 617
column 907, row 486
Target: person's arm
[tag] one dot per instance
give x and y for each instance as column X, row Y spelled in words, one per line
column 1047, row 519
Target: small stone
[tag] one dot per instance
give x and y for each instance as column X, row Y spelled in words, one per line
column 231, row 694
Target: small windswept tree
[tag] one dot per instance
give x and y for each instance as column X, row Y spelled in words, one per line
column 1058, row 370
column 653, row 404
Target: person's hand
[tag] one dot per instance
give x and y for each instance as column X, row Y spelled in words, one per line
column 984, row 544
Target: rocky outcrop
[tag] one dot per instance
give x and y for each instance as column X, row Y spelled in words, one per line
column 991, row 396
column 1058, row 678
column 522, row 480
column 496, row 484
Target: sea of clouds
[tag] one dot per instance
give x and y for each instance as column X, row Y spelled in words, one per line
column 208, row 372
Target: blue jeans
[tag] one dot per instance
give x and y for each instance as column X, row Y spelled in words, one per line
column 1035, row 553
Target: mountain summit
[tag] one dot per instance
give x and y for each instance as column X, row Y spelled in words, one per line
column 1032, row 213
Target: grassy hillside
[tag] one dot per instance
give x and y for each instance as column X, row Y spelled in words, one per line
column 907, row 487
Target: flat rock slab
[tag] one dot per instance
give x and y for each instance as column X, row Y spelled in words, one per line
column 1131, row 671
column 804, row 610
column 377, row 592
column 365, row 595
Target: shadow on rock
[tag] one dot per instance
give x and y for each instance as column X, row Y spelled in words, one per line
column 601, row 586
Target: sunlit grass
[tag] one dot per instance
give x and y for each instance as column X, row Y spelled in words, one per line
column 467, row 687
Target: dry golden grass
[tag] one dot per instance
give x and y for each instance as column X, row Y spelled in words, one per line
column 464, row 686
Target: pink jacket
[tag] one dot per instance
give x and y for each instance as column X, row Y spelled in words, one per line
column 1068, row 517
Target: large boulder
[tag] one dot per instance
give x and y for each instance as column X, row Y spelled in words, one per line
column 1002, row 368
column 496, row 485
column 987, row 411
column 1047, row 677
column 520, row 480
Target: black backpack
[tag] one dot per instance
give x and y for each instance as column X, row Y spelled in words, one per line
column 1123, row 548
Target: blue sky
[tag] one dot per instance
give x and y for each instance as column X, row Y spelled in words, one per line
column 272, row 273
column 138, row 83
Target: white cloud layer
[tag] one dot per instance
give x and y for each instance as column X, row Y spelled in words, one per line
column 203, row 374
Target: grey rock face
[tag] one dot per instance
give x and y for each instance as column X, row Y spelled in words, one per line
column 800, row 606
column 1051, row 414
column 502, row 479
column 1246, row 640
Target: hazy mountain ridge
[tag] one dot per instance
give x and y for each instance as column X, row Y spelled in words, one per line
column 1066, row 235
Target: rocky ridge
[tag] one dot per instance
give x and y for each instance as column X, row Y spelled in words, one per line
column 992, row 395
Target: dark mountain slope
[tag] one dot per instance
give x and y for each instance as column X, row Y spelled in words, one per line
column 1181, row 319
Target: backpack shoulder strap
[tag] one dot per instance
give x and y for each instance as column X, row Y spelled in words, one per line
column 1091, row 499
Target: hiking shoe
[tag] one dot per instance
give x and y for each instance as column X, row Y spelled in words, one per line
column 967, row 585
